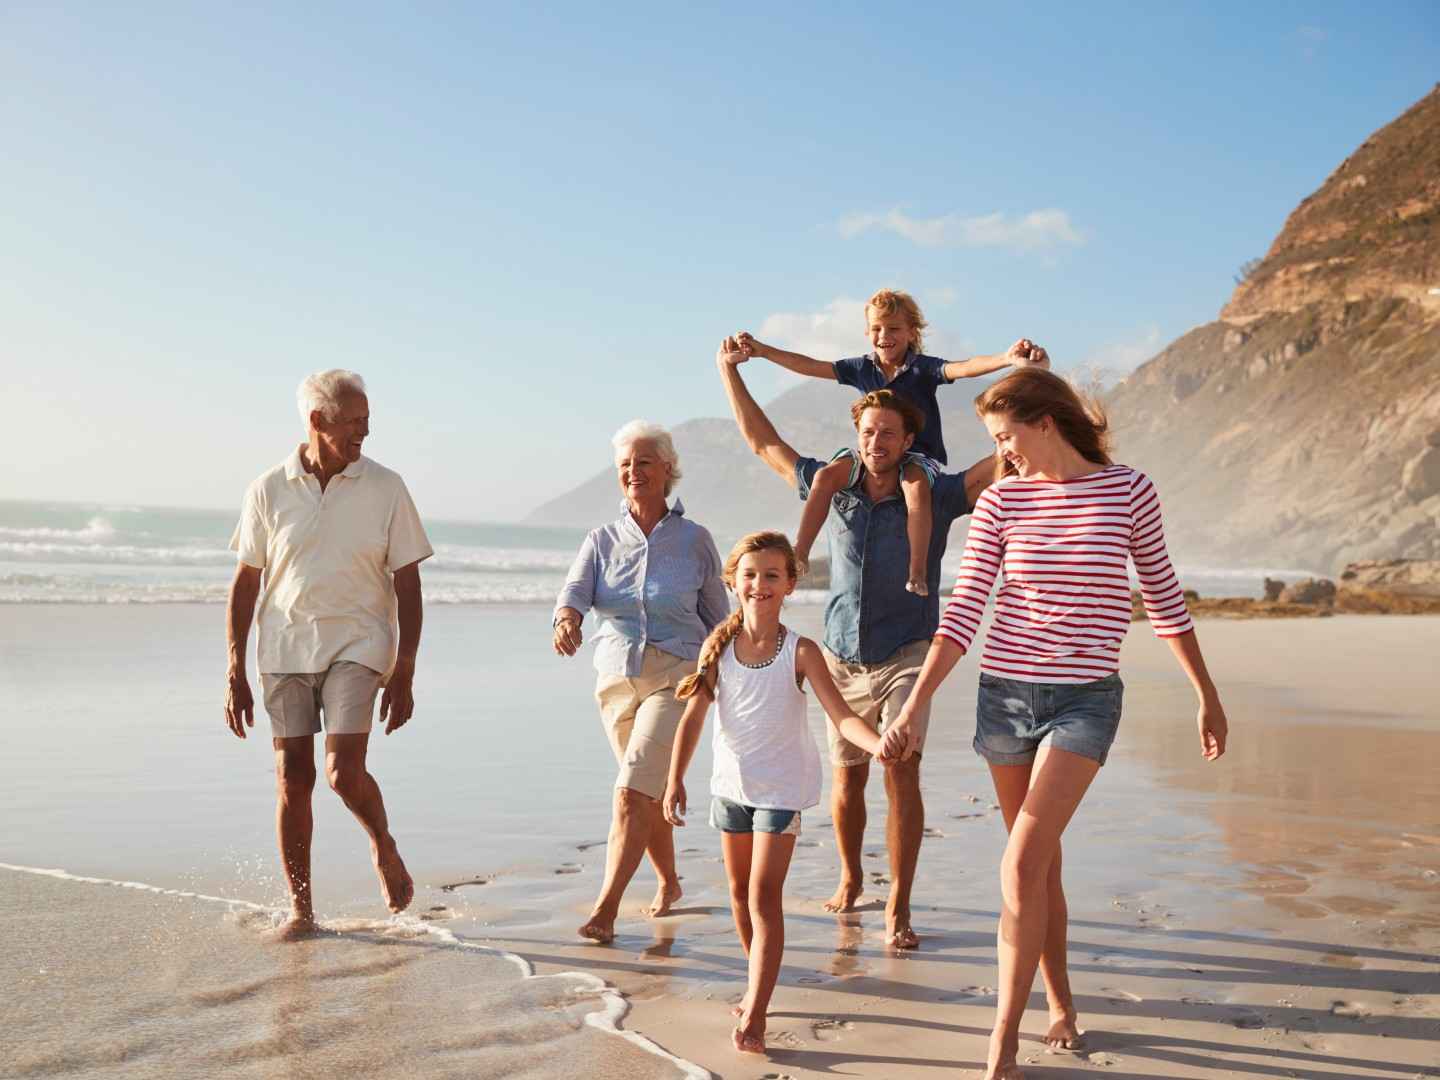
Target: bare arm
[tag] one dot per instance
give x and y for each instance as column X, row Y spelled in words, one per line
column 1213, row 724
column 792, row 361
column 977, row 478
column 849, row 725
column 759, row 433
column 1024, row 353
column 239, row 613
column 687, row 737
column 900, row 738
column 398, row 702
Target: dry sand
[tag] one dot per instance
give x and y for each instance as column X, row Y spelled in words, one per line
column 1276, row 914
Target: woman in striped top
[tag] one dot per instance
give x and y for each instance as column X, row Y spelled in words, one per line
column 1057, row 527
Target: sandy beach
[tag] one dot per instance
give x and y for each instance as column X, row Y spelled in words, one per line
column 1276, row 914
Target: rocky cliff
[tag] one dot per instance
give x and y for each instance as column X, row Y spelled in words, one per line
column 1303, row 427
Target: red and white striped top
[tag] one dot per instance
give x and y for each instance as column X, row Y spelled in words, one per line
column 1064, row 604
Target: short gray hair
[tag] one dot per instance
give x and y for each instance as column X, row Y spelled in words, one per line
column 637, row 430
column 322, row 391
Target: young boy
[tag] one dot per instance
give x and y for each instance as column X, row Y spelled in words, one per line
column 895, row 328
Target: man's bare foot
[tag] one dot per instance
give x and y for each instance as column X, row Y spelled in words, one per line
column 1064, row 1033
column 296, row 928
column 665, row 897
column 1005, row 1072
column 898, row 932
column 917, row 585
column 396, row 886
column 599, row 928
column 845, row 896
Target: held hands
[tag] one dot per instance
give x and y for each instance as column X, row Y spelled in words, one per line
column 733, row 351
column 1025, row 353
column 673, row 803
column 900, row 741
column 239, row 704
column 1214, row 729
column 751, row 345
column 397, row 704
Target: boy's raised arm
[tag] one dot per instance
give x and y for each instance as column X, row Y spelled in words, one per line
column 759, row 433
column 793, row 361
column 1024, row 353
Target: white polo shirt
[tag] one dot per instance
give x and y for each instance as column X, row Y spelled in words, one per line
column 328, row 558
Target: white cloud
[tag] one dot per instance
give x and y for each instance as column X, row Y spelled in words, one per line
column 1114, row 360
column 1039, row 230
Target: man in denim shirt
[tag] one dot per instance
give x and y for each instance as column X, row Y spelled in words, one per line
column 876, row 633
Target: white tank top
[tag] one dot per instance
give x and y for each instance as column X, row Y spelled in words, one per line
column 765, row 755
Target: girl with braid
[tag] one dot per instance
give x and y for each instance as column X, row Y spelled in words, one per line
column 767, row 766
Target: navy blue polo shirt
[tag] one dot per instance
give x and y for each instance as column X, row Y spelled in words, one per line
column 916, row 383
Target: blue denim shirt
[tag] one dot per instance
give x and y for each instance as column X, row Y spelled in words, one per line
column 917, row 381
column 869, row 614
column 663, row 589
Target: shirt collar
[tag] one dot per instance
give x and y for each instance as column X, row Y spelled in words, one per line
column 295, row 466
column 677, row 508
column 910, row 355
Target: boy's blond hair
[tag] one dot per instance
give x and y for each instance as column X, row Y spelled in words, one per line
column 889, row 301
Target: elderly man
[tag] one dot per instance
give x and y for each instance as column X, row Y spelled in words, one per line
column 876, row 633
column 338, row 544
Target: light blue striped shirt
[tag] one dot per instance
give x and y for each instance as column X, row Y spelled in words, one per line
column 663, row 589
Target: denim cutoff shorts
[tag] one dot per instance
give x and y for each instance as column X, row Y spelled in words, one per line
column 734, row 817
column 1012, row 718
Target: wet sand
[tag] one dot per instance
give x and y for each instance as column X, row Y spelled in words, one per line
column 1276, row 914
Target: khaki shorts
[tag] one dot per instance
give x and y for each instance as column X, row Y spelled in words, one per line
column 640, row 715
column 345, row 694
column 877, row 693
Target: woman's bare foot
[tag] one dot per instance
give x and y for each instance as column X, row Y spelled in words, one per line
column 599, row 928
column 665, row 897
column 1064, row 1033
column 898, row 932
column 1000, row 1062
column 845, row 896
column 396, row 886
column 749, row 1037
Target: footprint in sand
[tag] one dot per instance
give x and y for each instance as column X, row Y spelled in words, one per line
column 437, row 913
column 830, row 1030
column 1120, row 997
column 568, row 868
column 1349, row 1009
column 934, row 834
column 776, row 1076
column 452, row 886
column 1196, row 1001
column 1102, row 1058
column 963, row 817
column 590, row 844
column 807, row 843
column 1248, row 1021
column 879, row 879
column 788, row 1039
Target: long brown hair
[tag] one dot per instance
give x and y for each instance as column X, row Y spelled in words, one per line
column 1030, row 394
column 730, row 626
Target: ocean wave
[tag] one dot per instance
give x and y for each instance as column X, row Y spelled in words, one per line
column 97, row 530
column 128, row 554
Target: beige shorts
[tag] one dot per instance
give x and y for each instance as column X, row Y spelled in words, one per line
column 877, row 693
column 345, row 694
column 640, row 715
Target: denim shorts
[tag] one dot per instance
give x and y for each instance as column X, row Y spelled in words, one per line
column 732, row 817
column 1012, row 718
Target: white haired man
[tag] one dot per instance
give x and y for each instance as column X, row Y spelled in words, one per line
column 338, row 543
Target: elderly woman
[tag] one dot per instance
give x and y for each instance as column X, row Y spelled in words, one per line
column 653, row 579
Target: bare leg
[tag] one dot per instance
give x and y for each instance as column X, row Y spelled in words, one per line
column 351, row 780
column 1058, row 781
column 847, row 810
column 904, row 830
column 918, row 519
column 1012, row 784
column 294, row 825
column 737, row 849
column 630, row 829
column 828, row 480
column 661, row 850
column 769, row 865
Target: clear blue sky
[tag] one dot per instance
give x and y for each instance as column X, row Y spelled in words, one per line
column 525, row 227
